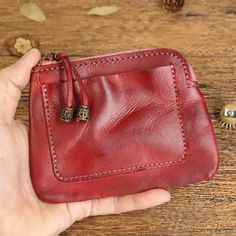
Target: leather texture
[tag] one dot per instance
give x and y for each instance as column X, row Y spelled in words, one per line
column 149, row 127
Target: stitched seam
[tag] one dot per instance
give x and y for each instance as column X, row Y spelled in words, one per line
column 116, row 171
column 120, row 59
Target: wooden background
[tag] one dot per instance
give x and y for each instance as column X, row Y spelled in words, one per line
column 205, row 31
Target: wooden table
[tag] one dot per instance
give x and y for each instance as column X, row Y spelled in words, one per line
column 205, row 31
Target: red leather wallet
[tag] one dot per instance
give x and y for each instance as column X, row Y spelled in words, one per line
column 117, row 124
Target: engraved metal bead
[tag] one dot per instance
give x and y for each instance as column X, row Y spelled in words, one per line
column 228, row 116
column 67, row 114
column 82, row 113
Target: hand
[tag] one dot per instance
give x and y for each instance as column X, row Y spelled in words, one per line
column 21, row 212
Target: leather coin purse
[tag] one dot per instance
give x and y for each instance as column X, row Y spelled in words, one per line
column 117, row 124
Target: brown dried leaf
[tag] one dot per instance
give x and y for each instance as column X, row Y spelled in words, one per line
column 20, row 45
column 103, row 11
column 32, row 12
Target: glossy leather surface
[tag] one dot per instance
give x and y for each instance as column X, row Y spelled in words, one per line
column 149, row 127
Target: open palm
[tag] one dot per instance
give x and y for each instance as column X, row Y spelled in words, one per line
column 22, row 213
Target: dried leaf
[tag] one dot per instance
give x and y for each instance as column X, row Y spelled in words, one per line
column 19, row 45
column 103, row 11
column 32, row 12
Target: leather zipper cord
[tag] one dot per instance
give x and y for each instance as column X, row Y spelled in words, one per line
column 67, row 114
column 65, row 60
column 84, row 99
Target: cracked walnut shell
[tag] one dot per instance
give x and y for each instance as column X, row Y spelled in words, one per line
column 19, row 45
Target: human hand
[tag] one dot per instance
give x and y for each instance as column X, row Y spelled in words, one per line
column 21, row 212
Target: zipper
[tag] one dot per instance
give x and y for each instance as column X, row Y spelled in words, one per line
column 67, row 113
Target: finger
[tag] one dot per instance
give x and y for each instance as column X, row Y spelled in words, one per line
column 19, row 73
column 24, row 122
column 116, row 205
column 12, row 80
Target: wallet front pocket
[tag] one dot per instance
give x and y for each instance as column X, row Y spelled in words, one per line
column 135, row 124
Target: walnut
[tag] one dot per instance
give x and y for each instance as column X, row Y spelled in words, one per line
column 19, row 45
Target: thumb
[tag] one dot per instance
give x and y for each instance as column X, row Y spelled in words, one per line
column 19, row 73
column 12, row 80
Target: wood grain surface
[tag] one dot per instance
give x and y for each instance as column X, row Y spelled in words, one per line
column 205, row 32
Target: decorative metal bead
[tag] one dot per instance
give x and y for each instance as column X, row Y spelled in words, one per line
column 173, row 5
column 67, row 114
column 228, row 116
column 82, row 113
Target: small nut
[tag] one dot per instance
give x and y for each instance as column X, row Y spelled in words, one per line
column 20, row 45
column 173, row 5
